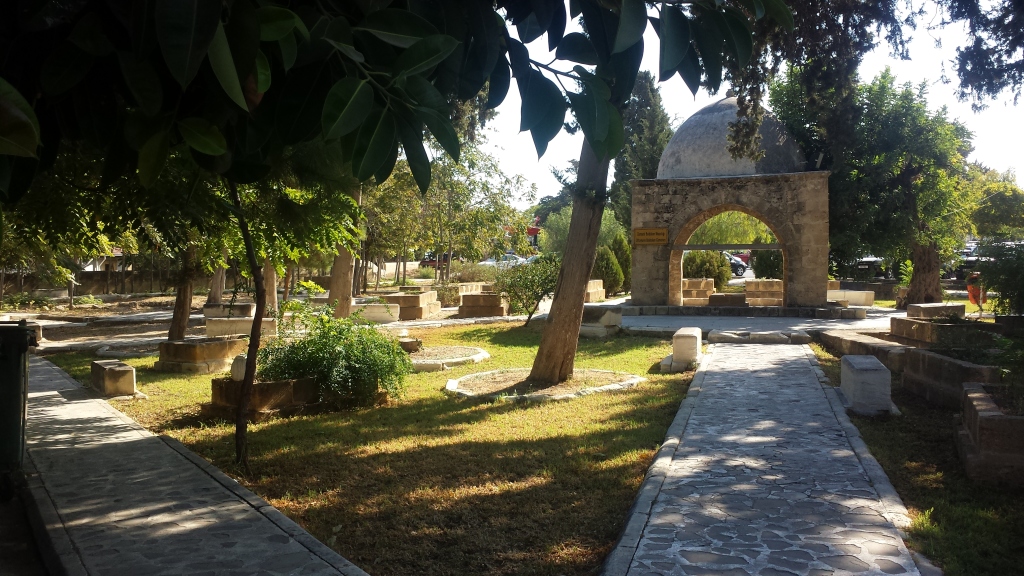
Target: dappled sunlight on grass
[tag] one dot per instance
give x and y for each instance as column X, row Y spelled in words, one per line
column 431, row 484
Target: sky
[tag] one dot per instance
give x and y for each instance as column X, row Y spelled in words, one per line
column 998, row 130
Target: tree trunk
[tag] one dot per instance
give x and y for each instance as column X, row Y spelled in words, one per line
column 287, row 283
column 245, row 395
column 217, row 285
column 557, row 353
column 925, row 287
column 183, row 296
column 71, row 293
column 340, row 288
column 270, row 285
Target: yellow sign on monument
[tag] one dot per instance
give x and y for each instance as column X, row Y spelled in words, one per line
column 650, row 236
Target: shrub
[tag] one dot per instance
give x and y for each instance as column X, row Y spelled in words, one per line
column 18, row 299
column 766, row 263
column 87, row 300
column 447, row 294
column 353, row 364
column 527, row 284
column 311, row 288
column 473, row 272
column 607, row 269
column 1004, row 274
column 425, row 273
column 624, row 255
column 906, row 272
column 707, row 264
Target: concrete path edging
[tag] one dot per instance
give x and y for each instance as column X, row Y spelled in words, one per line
column 621, row 557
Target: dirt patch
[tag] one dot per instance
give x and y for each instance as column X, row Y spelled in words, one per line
column 517, row 382
column 71, row 334
column 444, row 352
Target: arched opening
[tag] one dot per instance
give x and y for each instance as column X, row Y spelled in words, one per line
column 735, row 247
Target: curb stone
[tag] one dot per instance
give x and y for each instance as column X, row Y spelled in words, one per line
column 58, row 553
column 621, row 557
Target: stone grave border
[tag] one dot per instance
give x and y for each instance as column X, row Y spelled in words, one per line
column 629, row 381
column 439, row 364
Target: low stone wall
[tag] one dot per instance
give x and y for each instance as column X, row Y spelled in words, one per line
column 200, row 356
column 376, row 312
column 853, row 297
column 482, row 305
column 990, row 442
column 831, row 313
column 762, row 292
column 937, row 332
column 236, row 310
column 845, row 342
column 280, row 397
column 238, row 327
column 939, row 379
column 694, row 292
column 595, row 291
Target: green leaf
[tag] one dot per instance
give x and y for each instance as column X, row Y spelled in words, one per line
column 710, row 43
column 376, row 139
column 500, row 80
column 224, row 68
column 64, row 68
column 397, row 27
column 143, row 82
column 381, row 174
column 632, row 22
column 276, row 22
column 410, row 133
column 548, row 127
column 339, row 35
column 88, row 35
column 616, row 137
column 19, row 128
column 690, row 70
column 425, row 94
column 576, row 47
column 423, row 55
column 675, row 41
column 345, row 107
column 243, row 32
column 778, row 11
column 262, row 72
column 441, row 127
column 755, row 7
column 152, row 157
column 202, row 136
column 289, row 51
column 742, row 41
column 185, row 29
column 540, row 93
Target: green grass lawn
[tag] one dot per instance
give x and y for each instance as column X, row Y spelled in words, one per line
column 435, row 485
column 969, row 529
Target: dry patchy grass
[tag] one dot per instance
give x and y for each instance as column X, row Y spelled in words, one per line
column 436, row 485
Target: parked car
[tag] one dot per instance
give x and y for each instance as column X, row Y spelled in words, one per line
column 739, row 267
column 503, row 261
column 744, row 256
column 430, row 260
column 873, row 267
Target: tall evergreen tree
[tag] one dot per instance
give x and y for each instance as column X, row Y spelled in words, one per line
column 648, row 131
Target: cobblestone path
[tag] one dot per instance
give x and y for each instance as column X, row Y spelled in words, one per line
column 765, row 480
column 129, row 503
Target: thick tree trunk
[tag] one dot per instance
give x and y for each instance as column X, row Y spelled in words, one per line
column 557, row 353
column 270, row 285
column 183, row 296
column 925, row 287
column 245, row 396
column 340, row 288
column 217, row 285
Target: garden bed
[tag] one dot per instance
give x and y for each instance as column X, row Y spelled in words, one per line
column 515, row 384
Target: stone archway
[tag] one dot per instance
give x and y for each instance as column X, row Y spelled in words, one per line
column 794, row 206
column 675, row 259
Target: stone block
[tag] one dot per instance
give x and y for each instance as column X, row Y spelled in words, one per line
column 595, row 285
column 866, row 384
column 113, row 378
column 603, row 315
column 238, row 326
column 853, row 297
column 939, row 379
column 764, row 301
column 799, row 337
column 695, row 301
column 419, row 312
column 686, row 346
column 268, row 398
column 734, row 299
column 853, row 313
column 728, row 337
column 380, row 313
column 482, row 311
column 704, row 284
column 990, row 442
column 200, row 356
column 661, row 310
column 937, row 310
column 236, row 310
column 411, row 300
column 630, row 310
column 648, row 310
column 595, row 295
column 483, row 300
column 833, row 284
column 768, row 338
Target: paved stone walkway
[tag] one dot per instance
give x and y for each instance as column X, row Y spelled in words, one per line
column 765, row 480
column 126, row 502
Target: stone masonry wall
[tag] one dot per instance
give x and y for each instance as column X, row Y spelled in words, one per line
column 794, row 206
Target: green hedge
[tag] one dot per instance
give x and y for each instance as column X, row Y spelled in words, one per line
column 707, row 264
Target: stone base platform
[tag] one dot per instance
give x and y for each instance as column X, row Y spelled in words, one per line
column 828, row 313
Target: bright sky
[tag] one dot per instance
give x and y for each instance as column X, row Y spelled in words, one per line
column 998, row 130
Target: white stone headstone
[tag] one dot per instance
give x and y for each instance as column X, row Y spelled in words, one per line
column 866, row 383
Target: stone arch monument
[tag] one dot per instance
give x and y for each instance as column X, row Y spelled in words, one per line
column 698, row 179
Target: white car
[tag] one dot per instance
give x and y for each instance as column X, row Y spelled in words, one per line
column 504, row 261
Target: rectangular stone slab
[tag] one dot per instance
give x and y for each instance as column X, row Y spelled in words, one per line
column 236, row 310
column 412, row 300
column 686, row 345
column 482, row 311
column 113, row 378
column 866, row 383
column 727, row 300
column 419, row 312
column 936, row 310
column 482, row 300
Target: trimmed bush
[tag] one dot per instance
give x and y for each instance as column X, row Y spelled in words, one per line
column 624, row 255
column 767, row 263
column 447, row 294
column 707, row 264
column 353, row 364
column 1004, row 274
column 472, row 272
column 607, row 269
column 527, row 284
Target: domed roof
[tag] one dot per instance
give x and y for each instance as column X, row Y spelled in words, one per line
column 699, row 148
